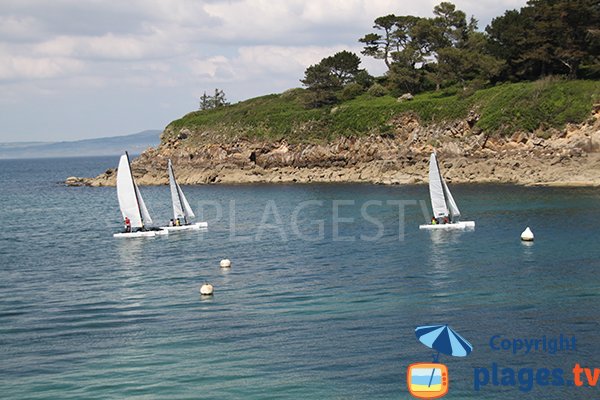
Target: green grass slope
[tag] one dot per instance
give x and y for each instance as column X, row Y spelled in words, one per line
column 503, row 109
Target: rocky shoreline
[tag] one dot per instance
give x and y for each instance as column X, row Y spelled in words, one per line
column 570, row 157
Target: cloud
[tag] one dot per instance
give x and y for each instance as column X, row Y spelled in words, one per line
column 18, row 28
column 213, row 69
column 25, row 68
column 108, row 47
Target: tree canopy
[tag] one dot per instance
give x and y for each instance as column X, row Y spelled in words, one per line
column 546, row 37
column 209, row 102
column 330, row 75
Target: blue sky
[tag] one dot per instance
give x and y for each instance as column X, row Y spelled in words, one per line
column 75, row 69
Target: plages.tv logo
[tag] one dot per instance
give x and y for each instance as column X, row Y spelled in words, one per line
column 430, row 380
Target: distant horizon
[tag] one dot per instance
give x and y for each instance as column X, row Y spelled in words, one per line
column 135, row 143
column 76, row 140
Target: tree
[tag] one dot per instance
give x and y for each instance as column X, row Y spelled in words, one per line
column 381, row 46
column 330, row 75
column 205, row 102
column 547, row 37
column 210, row 102
column 219, row 99
column 403, row 79
column 452, row 25
column 321, row 84
column 344, row 65
column 468, row 62
column 505, row 40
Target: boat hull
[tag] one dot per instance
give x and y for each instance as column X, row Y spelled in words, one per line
column 456, row 225
column 135, row 234
column 191, row 227
column 152, row 233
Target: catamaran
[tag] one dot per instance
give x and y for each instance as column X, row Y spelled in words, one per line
column 132, row 204
column 445, row 211
column 181, row 208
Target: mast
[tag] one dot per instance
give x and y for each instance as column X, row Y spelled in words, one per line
column 135, row 188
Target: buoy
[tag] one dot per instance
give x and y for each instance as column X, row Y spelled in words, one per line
column 527, row 235
column 225, row 263
column 206, row 289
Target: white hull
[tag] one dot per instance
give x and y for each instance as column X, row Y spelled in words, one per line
column 456, row 225
column 135, row 234
column 140, row 234
column 196, row 226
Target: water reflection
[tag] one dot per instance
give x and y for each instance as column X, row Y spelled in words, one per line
column 207, row 298
column 131, row 250
column 442, row 247
column 443, row 275
column 528, row 253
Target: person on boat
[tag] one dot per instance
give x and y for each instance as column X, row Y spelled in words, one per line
column 433, row 221
column 127, row 224
column 171, row 222
column 178, row 222
column 446, row 220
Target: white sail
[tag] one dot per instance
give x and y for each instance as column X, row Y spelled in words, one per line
column 454, row 211
column 177, row 206
column 145, row 215
column 181, row 207
column 436, row 189
column 186, row 206
column 128, row 194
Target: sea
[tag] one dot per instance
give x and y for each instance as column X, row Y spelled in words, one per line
column 327, row 285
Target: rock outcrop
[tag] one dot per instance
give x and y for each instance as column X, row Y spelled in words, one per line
column 567, row 157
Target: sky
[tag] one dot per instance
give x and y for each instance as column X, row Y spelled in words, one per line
column 77, row 69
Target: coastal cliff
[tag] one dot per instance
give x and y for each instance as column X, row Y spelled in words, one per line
column 566, row 156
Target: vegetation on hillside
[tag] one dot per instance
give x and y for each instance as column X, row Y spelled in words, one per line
column 504, row 108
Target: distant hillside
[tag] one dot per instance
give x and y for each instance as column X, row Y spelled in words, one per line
column 107, row 146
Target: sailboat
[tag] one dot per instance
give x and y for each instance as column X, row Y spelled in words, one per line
column 182, row 211
column 445, row 210
column 132, row 204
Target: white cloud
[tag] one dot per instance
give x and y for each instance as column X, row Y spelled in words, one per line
column 24, row 68
column 109, row 47
column 212, row 69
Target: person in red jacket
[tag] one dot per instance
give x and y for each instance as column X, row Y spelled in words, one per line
column 127, row 224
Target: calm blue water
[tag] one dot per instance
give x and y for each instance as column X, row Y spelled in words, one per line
column 304, row 311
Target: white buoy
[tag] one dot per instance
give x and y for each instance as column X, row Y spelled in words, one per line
column 206, row 289
column 527, row 235
column 225, row 263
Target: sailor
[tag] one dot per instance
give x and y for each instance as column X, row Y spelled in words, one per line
column 446, row 220
column 127, row 224
column 178, row 222
column 171, row 222
column 433, row 221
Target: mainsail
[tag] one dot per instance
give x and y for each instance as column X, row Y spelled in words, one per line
column 442, row 202
column 130, row 200
column 436, row 189
column 181, row 207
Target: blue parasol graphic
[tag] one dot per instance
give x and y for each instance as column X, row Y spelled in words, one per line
column 443, row 339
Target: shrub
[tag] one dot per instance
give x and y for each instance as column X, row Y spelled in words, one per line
column 351, row 91
column 376, row 90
